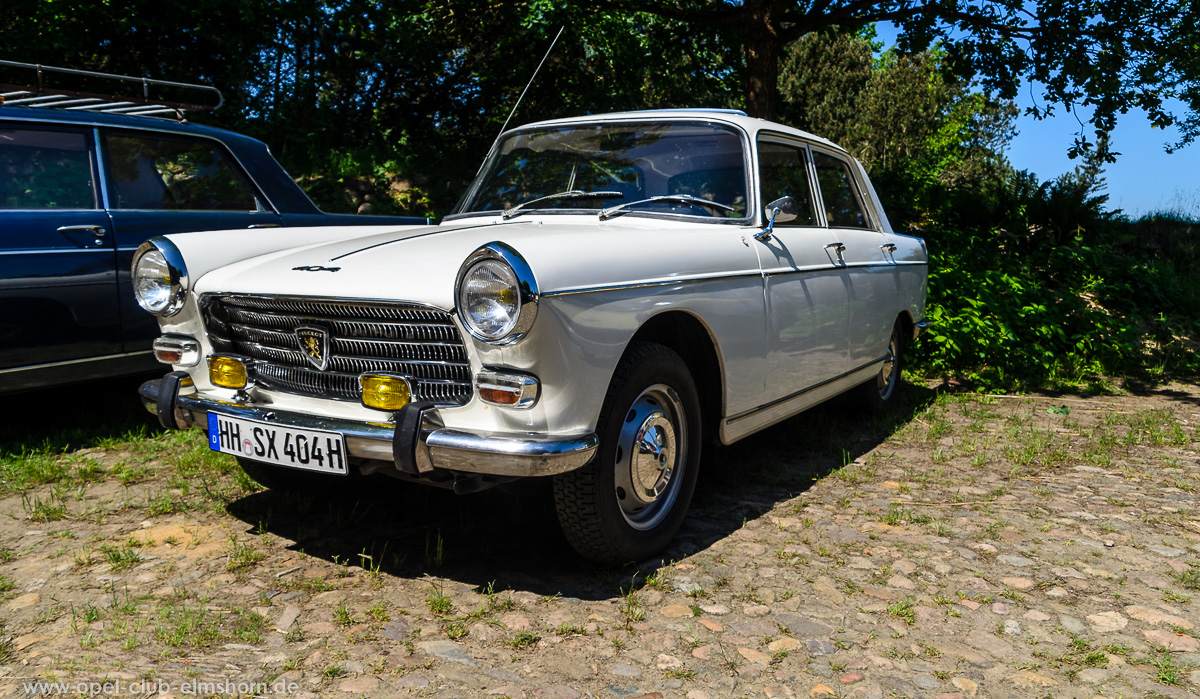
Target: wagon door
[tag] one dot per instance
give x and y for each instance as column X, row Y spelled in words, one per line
column 58, row 283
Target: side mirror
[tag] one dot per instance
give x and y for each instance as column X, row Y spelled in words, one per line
column 783, row 209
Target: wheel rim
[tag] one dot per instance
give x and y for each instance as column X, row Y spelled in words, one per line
column 887, row 373
column 651, row 455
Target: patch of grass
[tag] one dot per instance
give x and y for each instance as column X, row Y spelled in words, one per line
column 524, row 639
column 183, row 626
column 308, row 585
column 39, row 510
column 242, row 556
column 903, row 609
column 1166, row 671
column 1189, row 578
column 120, row 557
column 438, row 602
column 342, row 615
column 898, row 515
column 379, row 611
column 680, row 673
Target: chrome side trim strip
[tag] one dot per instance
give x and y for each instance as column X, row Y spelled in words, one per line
column 780, row 272
column 55, row 251
column 656, row 282
column 72, row 362
column 751, row 421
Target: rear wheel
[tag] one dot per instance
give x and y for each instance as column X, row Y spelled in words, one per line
column 628, row 502
column 881, row 392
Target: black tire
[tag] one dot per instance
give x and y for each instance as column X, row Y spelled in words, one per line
column 880, row 392
column 289, row 479
column 626, row 504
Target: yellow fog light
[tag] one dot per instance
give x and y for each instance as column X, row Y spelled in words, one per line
column 384, row 391
column 227, row 372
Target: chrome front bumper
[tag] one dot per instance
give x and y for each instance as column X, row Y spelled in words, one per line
column 418, row 443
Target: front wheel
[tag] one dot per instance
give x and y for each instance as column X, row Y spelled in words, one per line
column 628, row 502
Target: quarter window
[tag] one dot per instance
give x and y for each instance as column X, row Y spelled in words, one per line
column 154, row 172
column 45, row 170
column 783, row 172
column 838, row 193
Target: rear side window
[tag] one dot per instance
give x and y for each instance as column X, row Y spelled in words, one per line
column 45, row 170
column 156, row 172
column 838, row 193
column 783, row 171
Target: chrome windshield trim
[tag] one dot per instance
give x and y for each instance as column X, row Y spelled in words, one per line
column 712, row 118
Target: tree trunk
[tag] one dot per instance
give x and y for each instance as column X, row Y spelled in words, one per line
column 763, row 47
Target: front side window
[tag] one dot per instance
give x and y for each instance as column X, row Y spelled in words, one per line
column 783, row 172
column 838, row 193
column 157, row 172
column 622, row 163
column 45, row 170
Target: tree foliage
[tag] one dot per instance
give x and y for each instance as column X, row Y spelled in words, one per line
column 1104, row 56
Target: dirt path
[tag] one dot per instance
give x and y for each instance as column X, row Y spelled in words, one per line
column 975, row 546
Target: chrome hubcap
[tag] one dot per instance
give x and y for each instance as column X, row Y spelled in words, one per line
column 651, row 450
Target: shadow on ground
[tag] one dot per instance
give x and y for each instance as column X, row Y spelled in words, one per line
column 75, row 416
column 509, row 537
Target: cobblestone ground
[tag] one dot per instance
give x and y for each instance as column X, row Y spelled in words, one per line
column 970, row 546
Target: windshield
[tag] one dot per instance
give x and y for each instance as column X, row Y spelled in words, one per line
column 618, row 163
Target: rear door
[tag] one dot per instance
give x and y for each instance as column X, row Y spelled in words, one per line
column 159, row 183
column 867, row 273
column 806, row 281
column 58, row 282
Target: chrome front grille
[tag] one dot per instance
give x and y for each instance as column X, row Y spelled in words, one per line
column 419, row 343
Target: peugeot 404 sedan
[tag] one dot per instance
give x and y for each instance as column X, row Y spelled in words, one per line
column 612, row 294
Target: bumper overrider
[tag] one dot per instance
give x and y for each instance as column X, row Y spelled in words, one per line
column 418, row 443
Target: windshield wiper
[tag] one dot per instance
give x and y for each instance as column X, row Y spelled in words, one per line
column 569, row 194
column 676, row 198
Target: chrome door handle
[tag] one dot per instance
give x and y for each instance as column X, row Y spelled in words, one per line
column 837, row 248
column 888, row 248
column 97, row 231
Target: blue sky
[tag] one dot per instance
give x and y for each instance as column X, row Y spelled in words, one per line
column 1145, row 179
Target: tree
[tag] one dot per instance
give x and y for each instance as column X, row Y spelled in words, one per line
column 921, row 131
column 1109, row 56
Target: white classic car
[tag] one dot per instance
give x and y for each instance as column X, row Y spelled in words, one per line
column 612, row 293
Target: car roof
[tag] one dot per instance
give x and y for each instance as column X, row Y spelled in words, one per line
column 752, row 125
column 86, row 118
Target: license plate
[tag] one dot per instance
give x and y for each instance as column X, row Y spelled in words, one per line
column 311, row 450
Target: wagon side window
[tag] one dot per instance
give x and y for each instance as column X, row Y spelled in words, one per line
column 45, row 170
column 783, row 172
column 155, row 172
column 839, row 196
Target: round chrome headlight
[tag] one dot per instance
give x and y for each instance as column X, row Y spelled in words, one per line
column 496, row 294
column 159, row 277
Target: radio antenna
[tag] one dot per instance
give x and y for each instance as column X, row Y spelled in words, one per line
column 531, row 79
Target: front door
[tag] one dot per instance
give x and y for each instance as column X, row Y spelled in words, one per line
column 58, row 282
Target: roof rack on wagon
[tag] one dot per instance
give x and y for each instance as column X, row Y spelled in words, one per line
column 36, row 93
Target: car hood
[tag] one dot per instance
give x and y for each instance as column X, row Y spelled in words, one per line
column 421, row 264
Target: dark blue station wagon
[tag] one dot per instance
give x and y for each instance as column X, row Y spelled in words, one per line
column 79, row 192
